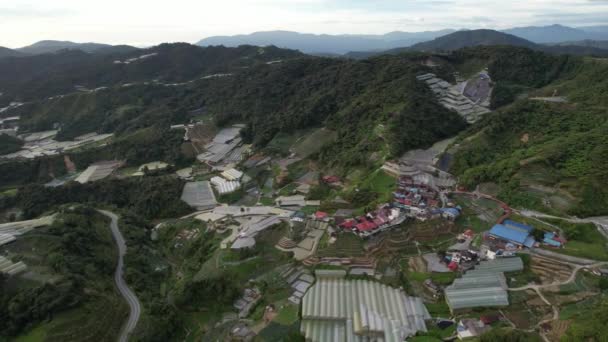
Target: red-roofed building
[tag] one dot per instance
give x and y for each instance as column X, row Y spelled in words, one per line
column 331, row 179
column 320, row 215
column 453, row 266
column 348, row 224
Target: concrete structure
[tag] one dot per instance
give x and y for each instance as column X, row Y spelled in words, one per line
column 199, row 195
column 246, row 237
column 336, row 309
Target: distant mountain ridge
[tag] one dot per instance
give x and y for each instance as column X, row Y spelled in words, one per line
column 6, row 52
column 558, row 33
column 324, row 43
column 54, row 46
column 463, row 39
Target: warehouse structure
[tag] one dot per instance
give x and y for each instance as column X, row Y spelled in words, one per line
column 199, row 195
column 337, row 309
column 485, row 286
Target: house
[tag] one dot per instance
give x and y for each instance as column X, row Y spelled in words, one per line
column 450, row 213
column 321, row 216
column 298, row 216
column 331, row 179
column 552, row 240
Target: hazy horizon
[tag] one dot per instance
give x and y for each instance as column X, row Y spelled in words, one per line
column 140, row 23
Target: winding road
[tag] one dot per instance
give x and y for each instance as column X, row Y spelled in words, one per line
column 122, row 286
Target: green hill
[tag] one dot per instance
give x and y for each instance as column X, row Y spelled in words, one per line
column 460, row 39
column 548, row 156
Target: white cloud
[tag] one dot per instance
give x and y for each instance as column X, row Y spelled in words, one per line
column 141, row 22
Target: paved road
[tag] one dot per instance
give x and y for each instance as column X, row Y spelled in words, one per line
column 124, row 289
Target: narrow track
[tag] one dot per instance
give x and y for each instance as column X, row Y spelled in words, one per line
column 122, row 286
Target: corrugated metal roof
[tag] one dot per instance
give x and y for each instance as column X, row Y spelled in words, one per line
column 358, row 308
column 476, row 297
column 502, row 265
column 510, row 234
column 517, row 225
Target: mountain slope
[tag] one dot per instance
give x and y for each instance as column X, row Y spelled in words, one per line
column 6, row 52
column 462, row 39
column 598, row 44
column 40, row 76
column 550, row 34
column 548, row 156
column 52, row 46
column 324, row 43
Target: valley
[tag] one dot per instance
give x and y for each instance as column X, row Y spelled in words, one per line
column 264, row 195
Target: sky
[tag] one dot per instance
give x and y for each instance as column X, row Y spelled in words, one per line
column 145, row 23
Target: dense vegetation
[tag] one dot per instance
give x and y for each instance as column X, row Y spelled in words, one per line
column 79, row 253
column 9, row 144
column 40, row 76
column 374, row 105
column 150, row 197
column 556, row 146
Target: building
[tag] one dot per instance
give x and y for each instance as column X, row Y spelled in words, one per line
column 98, row 171
column 199, row 195
column 339, row 310
column 484, row 286
column 232, row 174
column 512, row 232
column 246, row 238
column 224, row 186
column 471, row 328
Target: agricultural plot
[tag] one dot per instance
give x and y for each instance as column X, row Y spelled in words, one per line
column 347, row 245
column 526, row 309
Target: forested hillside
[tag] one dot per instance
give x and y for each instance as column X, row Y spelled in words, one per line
column 77, row 256
column 375, row 105
column 40, row 76
column 545, row 155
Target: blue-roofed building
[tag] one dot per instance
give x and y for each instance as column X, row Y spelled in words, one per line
column 516, row 236
column 450, row 213
column 517, row 225
column 550, row 239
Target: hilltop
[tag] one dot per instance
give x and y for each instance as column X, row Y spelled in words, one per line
column 461, row 39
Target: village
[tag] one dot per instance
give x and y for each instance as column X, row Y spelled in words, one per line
column 422, row 257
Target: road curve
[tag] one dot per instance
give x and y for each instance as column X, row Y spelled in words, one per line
column 124, row 289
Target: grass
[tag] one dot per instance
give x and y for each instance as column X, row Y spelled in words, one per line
column 381, row 183
column 288, row 315
column 439, row 309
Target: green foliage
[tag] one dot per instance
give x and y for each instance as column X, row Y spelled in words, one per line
column 151, row 197
column 509, row 335
column 9, row 144
column 84, row 259
column 590, row 326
